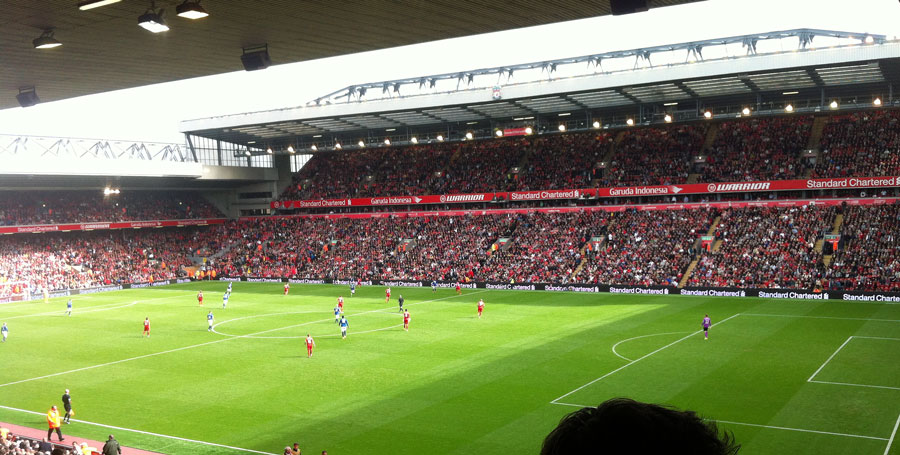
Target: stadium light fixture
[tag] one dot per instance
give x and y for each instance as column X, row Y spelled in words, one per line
column 91, row 4
column 414, row 140
column 361, row 144
column 869, row 39
column 792, row 92
column 562, row 128
column 337, row 146
column 387, row 141
column 269, row 150
column 247, row 153
column 529, row 130
column 440, row 138
column 191, row 10
column 565, row 114
column 314, row 148
column 596, row 124
column 629, row 122
column 673, row 103
column 108, row 191
column 668, row 118
column 46, row 40
column 498, row 133
column 745, row 111
column 789, row 108
column 469, row 135
column 152, row 20
column 707, row 114
column 290, row 149
column 877, row 102
column 833, row 105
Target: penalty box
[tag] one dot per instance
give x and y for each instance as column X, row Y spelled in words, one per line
column 862, row 361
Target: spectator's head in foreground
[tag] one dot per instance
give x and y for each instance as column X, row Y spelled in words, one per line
column 625, row 426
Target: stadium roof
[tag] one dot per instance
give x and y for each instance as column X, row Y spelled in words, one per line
column 869, row 67
column 104, row 49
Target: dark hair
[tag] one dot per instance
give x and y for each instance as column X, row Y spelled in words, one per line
column 625, row 426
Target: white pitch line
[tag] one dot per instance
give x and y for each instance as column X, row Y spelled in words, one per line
column 893, row 433
column 829, row 358
column 641, row 358
column 113, row 427
column 876, row 338
column 819, row 317
column 870, row 386
column 635, row 338
column 773, row 427
column 91, row 367
column 91, row 309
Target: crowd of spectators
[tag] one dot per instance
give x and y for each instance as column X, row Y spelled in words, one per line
column 20, row 208
column 758, row 149
column 766, row 248
column 646, row 247
column 861, row 144
column 12, row 444
column 868, row 254
column 655, row 156
column 564, row 161
column 78, row 260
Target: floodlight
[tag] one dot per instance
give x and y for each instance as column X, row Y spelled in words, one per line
column 869, row 39
column 414, row 140
column 528, row 130
column 469, row 135
column 596, row 124
column 337, row 146
column 499, row 133
column 46, row 41
column 361, row 143
column 877, row 102
column 707, row 114
column 247, row 153
column 290, row 149
column 387, row 141
column 789, row 108
column 668, row 118
column 314, row 148
column 191, row 10
column 152, row 20
column 440, row 138
column 745, row 111
column 269, row 150
column 833, row 105
column 629, row 122
column 91, row 4
column 562, row 128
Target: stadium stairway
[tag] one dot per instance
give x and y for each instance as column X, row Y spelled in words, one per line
column 688, row 271
column 836, row 229
column 815, row 134
column 692, row 178
column 711, row 134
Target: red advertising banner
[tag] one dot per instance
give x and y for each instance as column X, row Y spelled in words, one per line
column 604, row 208
column 111, row 225
column 658, row 190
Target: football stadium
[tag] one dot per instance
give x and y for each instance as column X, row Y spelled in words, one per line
column 658, row 245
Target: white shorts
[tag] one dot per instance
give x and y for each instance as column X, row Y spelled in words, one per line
column 343, row 330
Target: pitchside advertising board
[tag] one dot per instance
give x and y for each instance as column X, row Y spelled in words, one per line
column 795, row 294
column 659, row 190
column 107, row 225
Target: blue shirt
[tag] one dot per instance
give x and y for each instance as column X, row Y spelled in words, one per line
column 434, row 284
column 69, row 304
column 4, row 329
column 352, row 286
column 344, row 322
column 225, row 297
column 337, row 311
column 209, row 317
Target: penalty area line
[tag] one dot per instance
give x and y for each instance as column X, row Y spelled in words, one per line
column 113, row 427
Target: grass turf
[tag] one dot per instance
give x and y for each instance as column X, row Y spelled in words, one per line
column 453, row 384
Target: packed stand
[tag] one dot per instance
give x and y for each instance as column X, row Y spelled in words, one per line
column 30, row 208
column 546, row 247
column 861, row 144
column 564, row 161
column 766, row 248
column 89, row 259
column 646, row 247
column 758, row 149
column 655, row 156
column 868, row 255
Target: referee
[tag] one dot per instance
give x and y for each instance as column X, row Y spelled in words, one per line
column 67, row 404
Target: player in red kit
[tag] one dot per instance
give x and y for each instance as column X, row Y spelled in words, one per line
column 287, row 288
column 200, row 297
column 387, row 295
column 406, row 320
column 147, row 327
column 341, row 303
column 458, row 288
column 310, row 344
column 480, row 307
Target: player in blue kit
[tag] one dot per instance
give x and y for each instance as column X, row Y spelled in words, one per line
column 352, row 288
column 344, row 325
column 225, row 299
column 229, row 287
column 210, row 319
column 706, row 323
column 337, row 314
column 433, row 286
column 69, row 308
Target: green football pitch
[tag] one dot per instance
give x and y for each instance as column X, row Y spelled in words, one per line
column 784, row 376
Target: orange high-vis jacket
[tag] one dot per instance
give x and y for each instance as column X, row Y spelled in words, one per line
column 53, row 418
